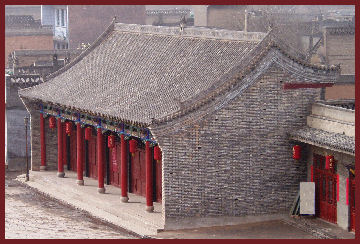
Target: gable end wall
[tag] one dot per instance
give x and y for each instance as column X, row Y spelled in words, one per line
column 238, row 160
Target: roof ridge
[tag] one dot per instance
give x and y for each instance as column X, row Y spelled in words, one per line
column 96, row 43
column 192, row 31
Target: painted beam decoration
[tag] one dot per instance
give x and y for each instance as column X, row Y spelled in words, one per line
column 119, row 127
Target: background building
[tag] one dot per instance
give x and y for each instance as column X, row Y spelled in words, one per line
column 87, row 22
column 56, row 16
column 169, row 15
column 24, row 32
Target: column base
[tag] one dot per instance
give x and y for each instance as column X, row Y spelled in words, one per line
column 150, row 209
column 60, row 174
column 43, row 168
column 124, row 199
column 80, row 182
column 101, row 190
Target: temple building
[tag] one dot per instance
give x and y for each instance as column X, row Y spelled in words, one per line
column 196, row 119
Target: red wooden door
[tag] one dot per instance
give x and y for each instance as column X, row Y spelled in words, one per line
column 352, row 201
column 92, row 157
column 115, row 162
column 325, row 187
column 138, row 179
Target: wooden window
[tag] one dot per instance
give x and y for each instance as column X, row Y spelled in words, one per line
column 57, row 17
column 62, row 17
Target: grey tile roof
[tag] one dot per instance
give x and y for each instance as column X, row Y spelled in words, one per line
column 142, row 76
column 324, row 138
column 139, row 73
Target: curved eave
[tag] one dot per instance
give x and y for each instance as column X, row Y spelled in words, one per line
column 88, row 112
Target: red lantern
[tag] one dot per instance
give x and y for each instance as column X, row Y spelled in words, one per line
column 157, row 153
column 88, row 133
column 329, row 163
column 296, row 152
column 52, row 122
column 111, row 141
column 68, row 127
column 132, row 146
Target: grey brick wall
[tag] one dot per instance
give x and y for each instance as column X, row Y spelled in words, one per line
column 237, row 161
column 50, row 140
column 15, row 128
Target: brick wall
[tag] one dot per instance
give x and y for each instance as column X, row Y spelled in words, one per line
column 238, row 160
column 15, row 138
column 41, row 42
column 340, row 48
column 51, row 142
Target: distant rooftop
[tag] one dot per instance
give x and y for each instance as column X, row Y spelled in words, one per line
column 201, row 32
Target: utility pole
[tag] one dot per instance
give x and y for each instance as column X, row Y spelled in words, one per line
column 26, row 120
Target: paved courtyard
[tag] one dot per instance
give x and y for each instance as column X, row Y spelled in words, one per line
column 32, row 215
column 29, row 214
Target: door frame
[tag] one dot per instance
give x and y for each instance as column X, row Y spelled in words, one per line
column 325, row 198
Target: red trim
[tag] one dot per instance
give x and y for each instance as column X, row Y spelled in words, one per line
column 149, row 176
column 287, row 86
column 312, row 173
column 337, row 187
column 60, row 146
column 42, row 140
column 79, row 151
column 347, row 191
column 124, row 171
column 100, row 157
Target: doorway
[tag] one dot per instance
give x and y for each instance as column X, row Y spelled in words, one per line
column 325, row 189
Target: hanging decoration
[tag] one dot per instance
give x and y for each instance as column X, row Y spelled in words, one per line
column 68, row 128
column 111, row 141
column 52, row 122
column 296, row 152
column 329, row 163
column 157, row 153
column 132, row 146
column 88, row 131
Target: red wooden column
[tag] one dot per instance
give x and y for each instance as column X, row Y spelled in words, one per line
column 100, row 160
column 79, row 154
column 149, row 178
column 60, row 172
column 42, row 142
column 124, row 171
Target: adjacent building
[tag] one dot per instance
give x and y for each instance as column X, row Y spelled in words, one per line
column 24, row 32
column 328, row 144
